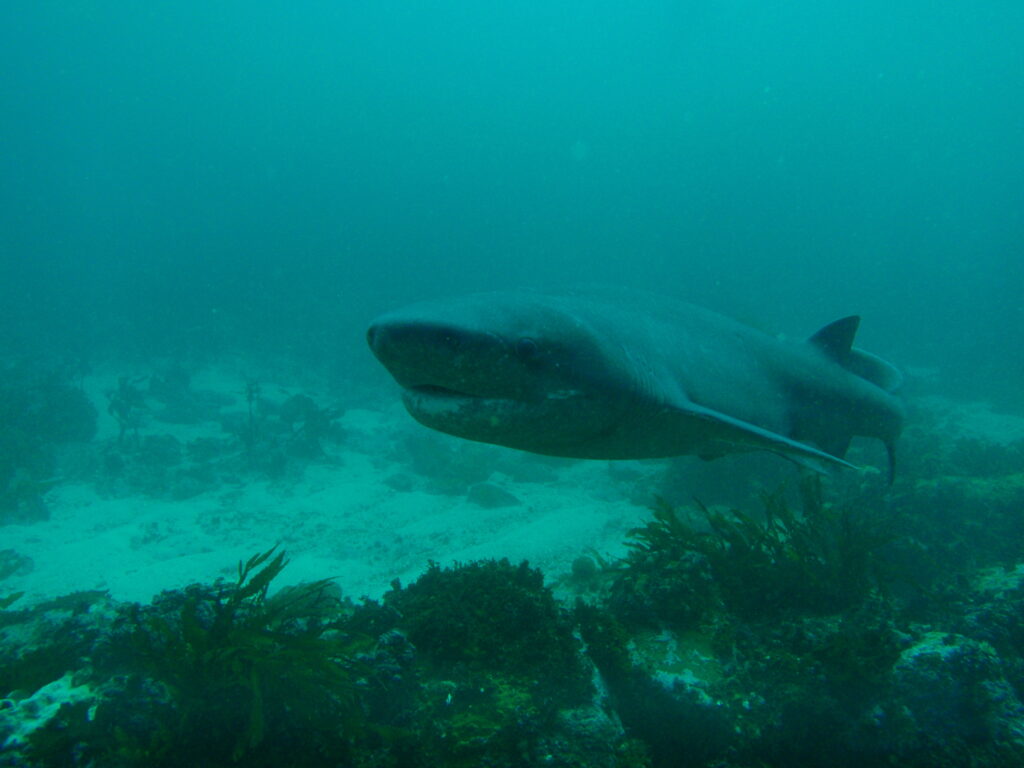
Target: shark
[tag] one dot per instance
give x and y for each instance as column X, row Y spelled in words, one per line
column 622, row 375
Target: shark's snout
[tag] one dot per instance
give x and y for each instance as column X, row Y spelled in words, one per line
column 400, row 347
column 438, row 357
column 397, row 341
column 390, row 339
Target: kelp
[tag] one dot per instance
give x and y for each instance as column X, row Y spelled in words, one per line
column 819, row 558
column 248, row 662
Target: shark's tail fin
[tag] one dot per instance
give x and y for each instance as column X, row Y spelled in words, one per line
column 836, row 341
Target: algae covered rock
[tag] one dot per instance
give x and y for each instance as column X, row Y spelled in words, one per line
column 21, row 719
column 492, row 615
column 954, row 688
column 229, row 673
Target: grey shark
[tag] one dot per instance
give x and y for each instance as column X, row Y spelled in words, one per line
column 608, row 375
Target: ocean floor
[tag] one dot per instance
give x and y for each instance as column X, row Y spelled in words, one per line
column 832, row 620
column 384, row 498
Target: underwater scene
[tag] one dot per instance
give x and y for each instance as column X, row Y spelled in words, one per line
column 575, row 384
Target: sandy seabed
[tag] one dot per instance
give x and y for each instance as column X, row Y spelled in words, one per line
column 341, row 516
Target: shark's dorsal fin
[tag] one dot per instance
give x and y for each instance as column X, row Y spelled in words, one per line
column 836, row 339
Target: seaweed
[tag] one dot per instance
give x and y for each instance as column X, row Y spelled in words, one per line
column 666, row 579
column 821, row 559
column 39, row 411
column 490, row 616
column 240, row 665
column 127, row 405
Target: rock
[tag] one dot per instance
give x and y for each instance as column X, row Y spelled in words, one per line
column 14, row 564
column 491, row 496
column 949, row 690
column 20, row 718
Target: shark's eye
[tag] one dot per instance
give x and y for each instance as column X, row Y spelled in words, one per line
column 526, row 349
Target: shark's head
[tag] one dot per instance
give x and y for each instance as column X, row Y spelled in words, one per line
column 512, row 369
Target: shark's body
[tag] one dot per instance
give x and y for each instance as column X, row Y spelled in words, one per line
column 622, row 376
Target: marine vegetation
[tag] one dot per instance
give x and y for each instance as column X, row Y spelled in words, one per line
column 127, row 405
column 40, row 410
column 212, row 675
column 820, row 559
column 279, row 437
column 235, row 674
column 494, row 616
column 269, row 439
column 501, row 655
column 240, row 665
column 783, row 634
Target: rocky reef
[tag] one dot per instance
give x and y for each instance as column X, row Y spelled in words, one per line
column 800, row 636
column 467, row 666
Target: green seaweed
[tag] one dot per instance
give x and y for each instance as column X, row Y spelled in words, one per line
column 495, row 617
column 248, row 662
column 819, row 559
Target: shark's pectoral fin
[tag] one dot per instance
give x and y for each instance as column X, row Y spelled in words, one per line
column 726, row 428
column 834, row 445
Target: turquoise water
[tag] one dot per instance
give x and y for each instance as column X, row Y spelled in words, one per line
column 197, row 175
column 204, row 204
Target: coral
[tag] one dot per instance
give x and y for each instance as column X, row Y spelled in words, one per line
column 965, row 522
column 856, row 653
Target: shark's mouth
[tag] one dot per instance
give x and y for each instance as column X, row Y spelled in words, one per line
column 434, row 390
column 431, row 402
column 465, row 388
